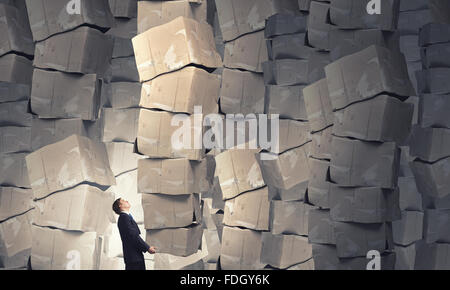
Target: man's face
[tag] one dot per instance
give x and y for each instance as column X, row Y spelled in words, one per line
column 124, row 204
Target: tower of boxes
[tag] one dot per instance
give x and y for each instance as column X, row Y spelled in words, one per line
column 16, row 54
column 176, row 83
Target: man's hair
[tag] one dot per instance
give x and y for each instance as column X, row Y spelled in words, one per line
column 116, row 206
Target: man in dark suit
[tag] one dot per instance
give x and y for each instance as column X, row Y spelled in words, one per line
column 132, row 244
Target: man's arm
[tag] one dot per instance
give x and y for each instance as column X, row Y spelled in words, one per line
column 126, row 224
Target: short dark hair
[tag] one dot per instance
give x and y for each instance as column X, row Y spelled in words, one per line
column 116, row 206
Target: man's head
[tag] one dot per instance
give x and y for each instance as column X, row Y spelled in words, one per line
column 120, row 205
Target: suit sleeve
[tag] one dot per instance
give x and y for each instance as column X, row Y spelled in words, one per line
column 133, row 235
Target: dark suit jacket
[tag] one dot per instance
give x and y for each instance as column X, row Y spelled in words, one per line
column 132, row 244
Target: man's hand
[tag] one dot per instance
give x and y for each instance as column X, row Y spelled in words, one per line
column 152, row 250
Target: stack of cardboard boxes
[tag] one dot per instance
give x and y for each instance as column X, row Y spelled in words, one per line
column 429, row 146
column 16, row 52
column 68, row 179
column 72, row 55
column 176, row 90
column 366, row 90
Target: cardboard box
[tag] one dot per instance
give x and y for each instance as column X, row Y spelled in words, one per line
column 15, row 235
column 241, row 17
column 17, row 262
column 291, row 134
column 319, row 26
column 241, row 92
column 281, row 23
column 121, row 95
column 287, row 169
column 319, row 186
column 16, row 69
column 67, row 163
column 49, row 17
column 62, row 95
column 83, row 50
column 433, row 110
column 430, row 144
column 318, row 105
column 204, row 174
column 289, row 217
column 413, row 5
column 166, row 211
column 409, row 46
column 296, row 193
column 121, row 8
column 316, row 65
column 357, row 77
column 241, row 249
column 216, row 194
column 321, row 144
column 123, row 47
column 290, row 46
column 436, row 226
column 308, row 265
column 410, row 197
column 409, row 229
column 13, row 92
column 193, row 262
column 365, row 205
column 54, row 249
column 15, row 114
column 326, row 258
column 156, row 13
column 178, row 241
column 238, row 172
column 240, row 53
column 194, row 46
column 349, row 41
column 211, row 246
column 121, row 157
column 83, row 208
column 432, row 33
column 432, row 179
column 15, row 139
column 13, row 170
column 48, row 131
column 383, row 118
column 155, row 134
column 356, row 240
column 352, row 14
column 119, row 125
column 15, row 30
column 433, row 81
column 181, row 91
column 439, row 11
column 167, row 176
column 123, row 69
column 432, row 257
column 360, row 163
column 14, row 201
column 283, row 251
column 320, row 227
column 286, row 72
column 436, row 55
column 405, row 257
column 249, row 210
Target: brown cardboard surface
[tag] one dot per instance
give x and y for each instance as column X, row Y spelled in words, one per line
column 119, row 125
column 121, row 157
column 289, row 217
column 62, row 95
column 282, row 251
column 16, row 69
column 166, row 211
column 432, row 179
column 83, row 50
column 183, row 41
column 318, row 105
column 15, row 235
column 181, row 91
column 67, row 163
column 13, row 170
column 15, row 30
column 430, row 144
column 121, row 95
column 49, row 17
column 15, row 114
column 288, row 102
column 249, row 210
column 14, row 201
column 15, row 139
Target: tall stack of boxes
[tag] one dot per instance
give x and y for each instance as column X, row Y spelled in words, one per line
column 16, row 53
column 429, row 146
column 68, row 179
column 175, row 82
column 72, row 56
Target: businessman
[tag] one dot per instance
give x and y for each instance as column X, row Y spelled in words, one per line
column 132, row 244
